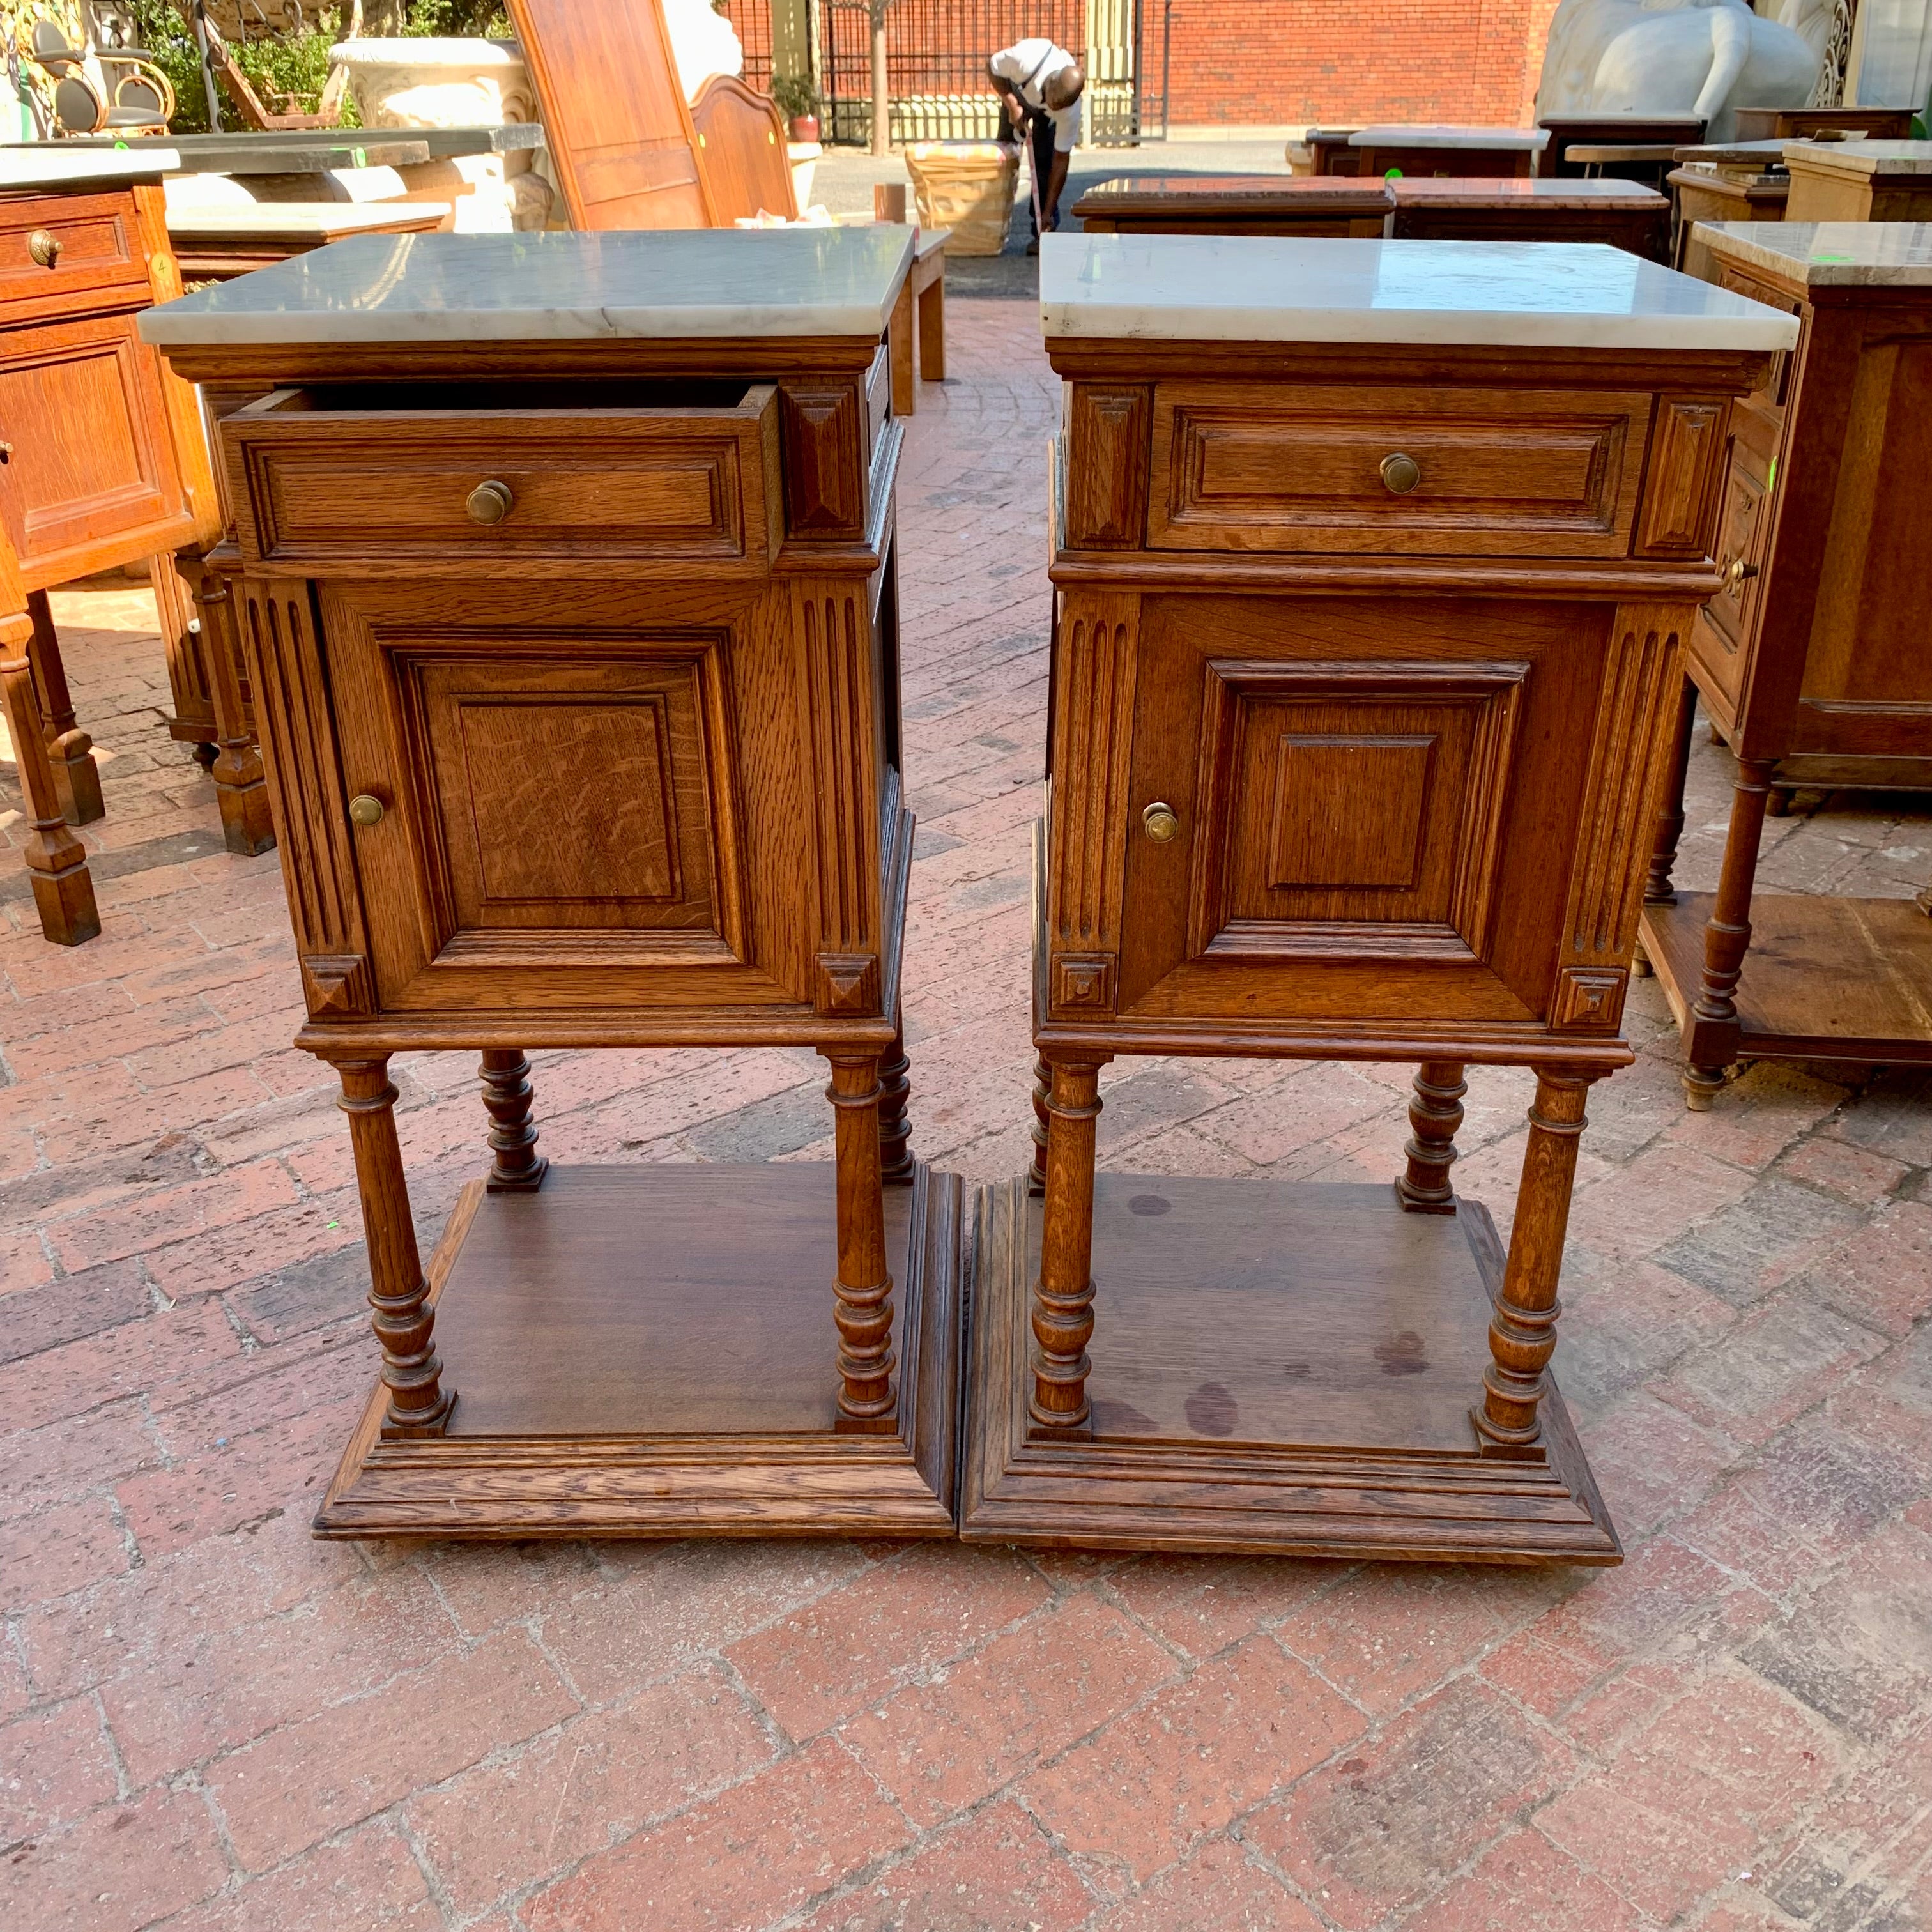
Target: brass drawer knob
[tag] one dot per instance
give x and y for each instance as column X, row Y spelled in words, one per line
column 490, row 502
column 1161, row 822
column 1401, row 473
column 44, row 247
column 1739, row 571
column 366, row 809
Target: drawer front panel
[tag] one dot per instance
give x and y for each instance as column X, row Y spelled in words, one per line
column 1452, row 472
column 94, row 247
column 327, row 489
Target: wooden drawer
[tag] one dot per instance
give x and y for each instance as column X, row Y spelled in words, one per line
column 1497, row 473
column 362, row 482
column 95, row 247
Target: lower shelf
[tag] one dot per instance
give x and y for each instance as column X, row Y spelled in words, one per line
column 649, row 1350
column 1826, row 979
column 1277, row 1368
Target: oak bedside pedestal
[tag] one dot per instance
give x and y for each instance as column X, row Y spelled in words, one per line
column 568, row 584
column 1374, row 562
column 1814, row 661
column 1859, row 180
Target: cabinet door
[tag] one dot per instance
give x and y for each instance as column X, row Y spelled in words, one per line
column 1723, row 635
column 1382, row 798
column 92, row 464
column 563, row 822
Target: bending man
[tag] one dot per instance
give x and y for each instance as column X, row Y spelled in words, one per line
column 1039, row 85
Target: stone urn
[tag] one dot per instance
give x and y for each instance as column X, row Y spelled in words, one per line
column 453, row 83
column 436, row 83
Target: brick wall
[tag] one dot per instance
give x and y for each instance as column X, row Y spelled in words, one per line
column 1275, row 61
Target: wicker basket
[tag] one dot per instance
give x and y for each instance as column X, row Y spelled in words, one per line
column 966, row 186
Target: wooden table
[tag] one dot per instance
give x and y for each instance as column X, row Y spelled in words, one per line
column 1859, row 180
column 1458, row 152
column 917, row 335
column 1601, row 129
column 1372, row 576
column 1812, row 662
column 607, row 754
column 216, row 243
column 1235, row 205
column 1623, row 215
column 1704, row 192
column 104, row 463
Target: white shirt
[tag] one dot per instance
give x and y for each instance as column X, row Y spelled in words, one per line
column 1026, row 65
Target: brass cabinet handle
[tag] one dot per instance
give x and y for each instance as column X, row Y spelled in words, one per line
column 1401, row 473
column 1161, row 822
column 365, row 809
column 1739, row 571
column 490, row 502
column 44, row 247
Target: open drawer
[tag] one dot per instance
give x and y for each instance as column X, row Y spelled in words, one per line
column 482, row 478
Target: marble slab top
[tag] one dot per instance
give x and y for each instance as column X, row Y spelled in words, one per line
column 1736, row 154
column 318, row 221
column 1220, row 288
column 1862, row 158
column 1827, row 254
column 288, row 150
column 1541, row 191
column 1535, row 139
column 670, row 283
column 59, row 164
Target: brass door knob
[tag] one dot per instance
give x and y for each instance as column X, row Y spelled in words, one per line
column 365, row 809
column 1401, row 473
column 1161, row 822
column 490, row 502
column 44, row 247
column 1739, row 571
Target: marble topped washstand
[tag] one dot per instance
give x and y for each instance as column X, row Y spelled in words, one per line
column 607, row 754
column 1859, row 180
column 1374, row 564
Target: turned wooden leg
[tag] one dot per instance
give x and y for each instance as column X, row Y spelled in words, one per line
column 241, row 790
column 1043, row 1085
column 1434, row 1113
column 403, row 1321
column 1062, row 1304
column 1522, row 1322
column 895, row 1161
column 1656, row 890
column 70, row 750
column 56, row 860
column 932, row 330
column 863, row 1292
column 1712, row 1033
column 517, row 1168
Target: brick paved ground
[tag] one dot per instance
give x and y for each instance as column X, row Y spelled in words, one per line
column 207, row 1721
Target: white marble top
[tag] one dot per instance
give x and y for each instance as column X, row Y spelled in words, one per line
column 1535, row 139
column 666, row 283
column 1548, row 190
column 1827, row 254
column 1862, row 158
column 1220, row 288
column 54, row 164
column 297, row 218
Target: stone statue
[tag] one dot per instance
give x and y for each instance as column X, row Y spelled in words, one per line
column 1703, row 57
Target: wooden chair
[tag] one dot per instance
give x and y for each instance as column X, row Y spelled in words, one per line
column 144, row 98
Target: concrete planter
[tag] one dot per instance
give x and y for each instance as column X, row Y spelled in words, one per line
column 433, row 83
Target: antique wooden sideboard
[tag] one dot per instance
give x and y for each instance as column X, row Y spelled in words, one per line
column 1235, row 205
column 1620, row 214
column 1460, row 151
column 103, row 462
column 1812, row 661
column 1374, row 561
column 591, row 738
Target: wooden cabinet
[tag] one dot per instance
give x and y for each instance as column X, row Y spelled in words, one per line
column 1812, row 660
column 1369, row 633
column 591, row 738
column 1859, row 180
column 1318, row 204
column 104, row 463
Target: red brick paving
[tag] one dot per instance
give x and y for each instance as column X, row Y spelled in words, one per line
column 210, row 1723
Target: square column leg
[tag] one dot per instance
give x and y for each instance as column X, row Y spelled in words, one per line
column 56, row 860
column 241, row 789
column 862, row 1294
column 70, row 750
column 404, row 1323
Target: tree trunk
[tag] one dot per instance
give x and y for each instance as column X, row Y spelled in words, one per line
column 882, row 114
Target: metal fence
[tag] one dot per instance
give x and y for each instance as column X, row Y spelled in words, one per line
column 753, row 20
column 936, row 54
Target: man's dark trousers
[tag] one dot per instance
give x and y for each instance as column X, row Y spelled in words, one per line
column 1039, row 145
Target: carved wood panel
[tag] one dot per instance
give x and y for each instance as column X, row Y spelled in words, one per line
column 294, row 718
column 1107, row 431
column 1494, row 473
column 1353, row 809
column 823, row 431
column 1681, row 486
